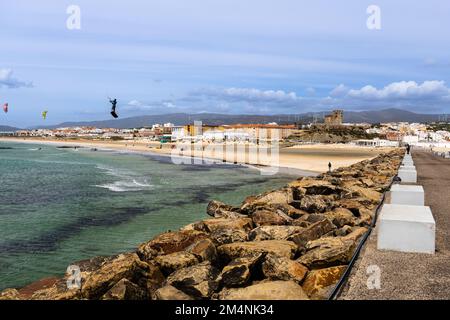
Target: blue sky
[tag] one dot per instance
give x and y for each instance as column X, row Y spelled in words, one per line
column 226, row 56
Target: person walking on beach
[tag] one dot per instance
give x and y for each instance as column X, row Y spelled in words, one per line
column 329, row 166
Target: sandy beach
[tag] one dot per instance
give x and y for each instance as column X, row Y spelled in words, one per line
column 310, row 158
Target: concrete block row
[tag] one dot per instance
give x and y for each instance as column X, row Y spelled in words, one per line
column 406, row 224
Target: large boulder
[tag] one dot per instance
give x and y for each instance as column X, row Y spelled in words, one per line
column 282, row 196
column 315, row 203
column 199, row 281
column 270, row 218
column 126, row 266
column 223, row 223
column 319, row 283
column 331, row 251
column 59, row 288
column 270, row 290
column 125, row 290
column 241, row 249
column 219, row 209
column 204, row 250
column 372, row 195
column 355, row 205
column 313, row 232
column 286, row 209
column 282, row 268
column 174, row 261
column 273, row 232
column 169, row 292
column 169, row 242
column 341, row 217
column 309, row 182
column 225, row 236
column 10, row 294
column 238, row 271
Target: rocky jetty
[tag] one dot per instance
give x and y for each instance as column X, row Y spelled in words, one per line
column 293, row 243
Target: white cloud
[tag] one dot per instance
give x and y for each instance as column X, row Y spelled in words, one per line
column 7, row 80
column 340, row 90
column 135, row 103
column 249, row 95
column 403, row 90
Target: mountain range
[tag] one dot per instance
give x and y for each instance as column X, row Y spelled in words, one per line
column 377, row 116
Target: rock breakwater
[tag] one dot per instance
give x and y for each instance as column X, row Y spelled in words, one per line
column 293, row 243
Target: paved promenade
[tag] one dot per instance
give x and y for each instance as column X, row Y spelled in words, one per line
column 411, row 275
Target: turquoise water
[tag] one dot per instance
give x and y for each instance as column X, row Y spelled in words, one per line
column 59, row 205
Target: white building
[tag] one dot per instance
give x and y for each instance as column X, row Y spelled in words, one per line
column 375, row 143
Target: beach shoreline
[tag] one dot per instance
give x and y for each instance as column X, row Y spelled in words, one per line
column 301, row 160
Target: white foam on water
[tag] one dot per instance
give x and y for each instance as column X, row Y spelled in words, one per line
column 129, row 181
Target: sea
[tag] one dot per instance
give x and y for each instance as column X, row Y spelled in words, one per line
column 61, row 205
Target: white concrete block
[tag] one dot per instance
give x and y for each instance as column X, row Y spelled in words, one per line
column 408, row 162
column 408, row 175
column 408, row 195
column 407, row 167
column 406, row 229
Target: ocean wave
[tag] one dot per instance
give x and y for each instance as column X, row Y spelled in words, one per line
column 129, row 180
column 126, row 186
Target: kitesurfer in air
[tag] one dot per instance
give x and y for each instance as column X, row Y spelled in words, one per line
column 113, row 107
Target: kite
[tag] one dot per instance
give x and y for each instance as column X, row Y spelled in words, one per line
column 44, row 114
column 5, row 107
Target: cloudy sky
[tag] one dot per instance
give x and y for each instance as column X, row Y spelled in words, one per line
column 225, row 56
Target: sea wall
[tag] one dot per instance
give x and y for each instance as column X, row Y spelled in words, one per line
column 291, row 243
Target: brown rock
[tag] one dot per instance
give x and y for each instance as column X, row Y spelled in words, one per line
column 199, row 281
column 238, row 271
column 223, row 223
column 126, row 266
column 225, row 236
column 273, row 232
column 269, row 218
column 327, row 252
column 282, row 196
column 241, row 249
column 59, row 291
column 10, row 294
column 125, row 290
column 270, row 290
column 174, row 261
column 372, row 195
column 315, row 231
column 345, row 230
column 204, row 250
column 286, row 209
column 219, row 209
column 169, row 242
column 169, row 292
column 341, row 217
column 319, row 283
column 281, row 268
column 315, row 203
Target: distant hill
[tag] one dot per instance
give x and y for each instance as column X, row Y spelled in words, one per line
column 386, row 115
column 8, row 129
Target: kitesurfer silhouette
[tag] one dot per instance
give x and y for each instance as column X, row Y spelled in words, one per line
column 113, row 107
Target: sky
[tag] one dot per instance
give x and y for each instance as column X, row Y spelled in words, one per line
column 223, row 56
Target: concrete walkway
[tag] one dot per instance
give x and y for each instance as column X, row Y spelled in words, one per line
column 410, row 275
